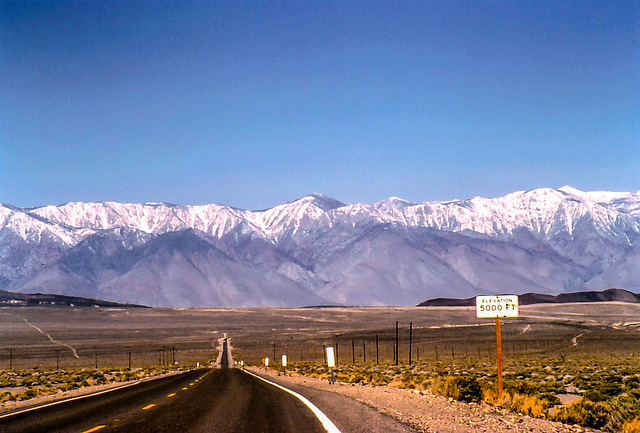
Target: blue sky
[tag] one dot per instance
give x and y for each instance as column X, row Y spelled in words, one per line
column 252, row 104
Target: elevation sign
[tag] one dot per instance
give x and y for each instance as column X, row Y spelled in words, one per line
column 497, row 306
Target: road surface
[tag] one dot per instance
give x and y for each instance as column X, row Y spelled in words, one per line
column 225, row 400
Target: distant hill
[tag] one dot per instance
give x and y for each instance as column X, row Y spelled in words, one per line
column 609, row 295
column 11, row 299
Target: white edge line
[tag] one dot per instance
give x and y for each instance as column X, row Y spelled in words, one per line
column 324, row 420
column 69, row 399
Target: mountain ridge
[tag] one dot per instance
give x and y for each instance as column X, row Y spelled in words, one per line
column 542, row 239
column 608, row 295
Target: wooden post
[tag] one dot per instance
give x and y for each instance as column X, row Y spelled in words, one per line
column 377, row 355
column 396, row 349
column 410, row 340
column 353, row 351
column 364, row 352
column 499, row 348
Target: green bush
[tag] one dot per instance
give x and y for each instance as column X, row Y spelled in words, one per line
column 463, row 388
column 586, row 413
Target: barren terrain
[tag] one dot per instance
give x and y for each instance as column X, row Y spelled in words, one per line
column 553, row 354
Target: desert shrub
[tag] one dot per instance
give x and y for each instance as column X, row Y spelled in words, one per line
column 358, row 378
column 28, row 394
column 378, row 378
column 584, row 412
column 631, row 382
column 622, row 409
column 632, row 426
column 30, row 381
column 529, row 405
column 446, row 387
column 463, row 388
column 6, row 396
column 469, row 388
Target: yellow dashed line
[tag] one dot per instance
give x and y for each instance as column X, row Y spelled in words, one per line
column 184, row 389
column 191, row 384
column 148, row 407
column 96, row 428
column 171, row 395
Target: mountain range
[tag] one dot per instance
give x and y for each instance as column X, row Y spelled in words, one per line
column 317, row 250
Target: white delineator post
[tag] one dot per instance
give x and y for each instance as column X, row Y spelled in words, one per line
column 331, row 362
column 497, row 307
column 266, row 364
column 284, row 364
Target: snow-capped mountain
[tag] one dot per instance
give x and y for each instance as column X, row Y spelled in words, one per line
column 319, row 250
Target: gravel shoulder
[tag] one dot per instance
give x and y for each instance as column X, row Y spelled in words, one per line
column 425, row 412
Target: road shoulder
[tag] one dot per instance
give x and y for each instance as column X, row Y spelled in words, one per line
column 415, row 411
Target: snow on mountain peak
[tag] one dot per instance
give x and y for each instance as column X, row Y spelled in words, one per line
column 541, row 210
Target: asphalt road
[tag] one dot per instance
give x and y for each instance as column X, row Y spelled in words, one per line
column 225, row 400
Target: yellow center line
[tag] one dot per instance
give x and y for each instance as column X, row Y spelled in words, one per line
column 96, row 428
column 171, row 395
column 184, row 389
column 191, row 384
column 148, row 407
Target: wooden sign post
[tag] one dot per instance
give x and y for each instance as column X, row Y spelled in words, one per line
column 497, row 307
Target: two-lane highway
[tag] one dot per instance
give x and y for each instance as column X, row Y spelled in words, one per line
column 224, row 400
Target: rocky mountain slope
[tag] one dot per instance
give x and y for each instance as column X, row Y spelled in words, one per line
column 316, row 250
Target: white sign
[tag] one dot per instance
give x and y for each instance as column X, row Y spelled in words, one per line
column 284, row 360
column 497, row 306
column 331, row 359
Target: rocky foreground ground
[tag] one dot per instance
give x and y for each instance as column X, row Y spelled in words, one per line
column 425, row 412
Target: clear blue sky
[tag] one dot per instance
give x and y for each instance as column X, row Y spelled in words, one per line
column 252, row 104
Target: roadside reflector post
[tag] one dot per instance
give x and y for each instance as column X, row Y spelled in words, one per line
column 331, row 363
column 497, row 307
column 284, row 364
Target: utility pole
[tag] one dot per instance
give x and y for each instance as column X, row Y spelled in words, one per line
column 364, row 352
column 377, row 354
column 353, row 351
column 129, row 353
column 95, row 356
column 57, row 359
